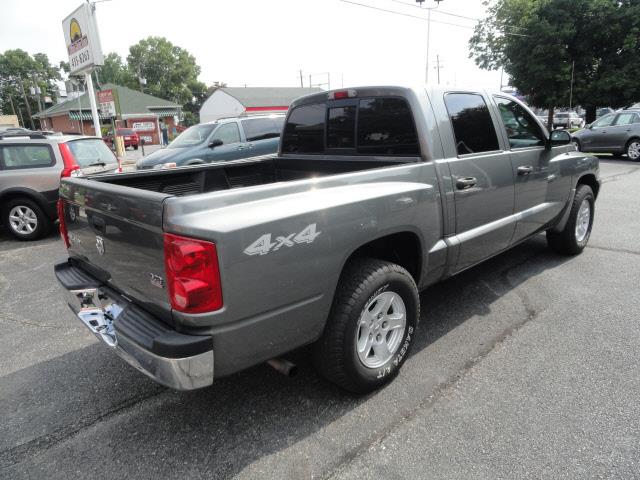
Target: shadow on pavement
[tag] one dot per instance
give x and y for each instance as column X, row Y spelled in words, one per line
column 221, row 429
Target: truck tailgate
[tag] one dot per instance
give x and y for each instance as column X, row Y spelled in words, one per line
column 115, row 232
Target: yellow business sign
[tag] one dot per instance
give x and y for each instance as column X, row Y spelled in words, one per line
column 82, row 40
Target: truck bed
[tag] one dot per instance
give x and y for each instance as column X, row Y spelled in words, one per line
column 242, row 173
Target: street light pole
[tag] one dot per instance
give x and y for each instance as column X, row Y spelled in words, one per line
column 428, row 32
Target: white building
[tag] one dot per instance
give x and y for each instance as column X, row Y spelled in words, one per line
column 235, row 102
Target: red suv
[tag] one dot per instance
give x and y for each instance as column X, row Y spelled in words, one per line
column 131, row 138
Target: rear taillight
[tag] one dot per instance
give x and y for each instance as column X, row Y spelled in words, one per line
column 63, row 224
column 193, row 275
column 70, row 164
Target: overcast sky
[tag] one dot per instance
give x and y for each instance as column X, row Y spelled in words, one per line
column 266, row 43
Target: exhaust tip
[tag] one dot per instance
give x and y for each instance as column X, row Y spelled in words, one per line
column 285, row 367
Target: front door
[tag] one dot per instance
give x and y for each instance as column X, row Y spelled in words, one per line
column 596, row 140
column 232, row 146
column 482, row 179
column 536, row 174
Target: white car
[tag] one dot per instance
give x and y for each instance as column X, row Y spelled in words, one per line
column 567, row 120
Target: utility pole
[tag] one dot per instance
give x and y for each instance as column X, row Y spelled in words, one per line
column 26, row 101
column 573, row 67
column 301, row 83
column 428, row 32
column 438, row 67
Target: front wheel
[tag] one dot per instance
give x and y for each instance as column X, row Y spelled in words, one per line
column 575, row 235
column 371, row 326
column 633, row 150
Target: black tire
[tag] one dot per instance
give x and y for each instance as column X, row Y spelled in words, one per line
column 135, row 147
column 43, row 223
column 335, row 354
column 566, row 241
column 634, row 157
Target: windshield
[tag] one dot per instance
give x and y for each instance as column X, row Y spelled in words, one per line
column 562, row 115
column 193, row 136
column 91, row 152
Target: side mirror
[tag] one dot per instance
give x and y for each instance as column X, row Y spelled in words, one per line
column 589, row 126
column 559, row 138
column 215, row 143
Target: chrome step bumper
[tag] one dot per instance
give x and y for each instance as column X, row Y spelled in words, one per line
column 134, row 335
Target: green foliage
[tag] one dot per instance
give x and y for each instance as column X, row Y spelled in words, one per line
column 115, row 71
column 537, row 41
column 19, row 72
column 170, row 70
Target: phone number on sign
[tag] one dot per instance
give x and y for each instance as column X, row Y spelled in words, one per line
column 80, row 59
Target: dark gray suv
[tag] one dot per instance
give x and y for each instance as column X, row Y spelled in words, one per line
column 31, row 166
column 617, row 133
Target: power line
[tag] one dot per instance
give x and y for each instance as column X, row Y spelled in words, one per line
column 406, row 14
column 424, row 19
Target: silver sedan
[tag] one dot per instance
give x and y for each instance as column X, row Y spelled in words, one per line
column 617, row 133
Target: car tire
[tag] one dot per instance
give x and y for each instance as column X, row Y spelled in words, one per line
column 25, row 220
column 135, row 147
column 574, row 237
column 633, row 149
column 361, row 349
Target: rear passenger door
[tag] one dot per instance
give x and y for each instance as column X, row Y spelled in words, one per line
column 621, row 130
column 262, row 134
column 482, row 179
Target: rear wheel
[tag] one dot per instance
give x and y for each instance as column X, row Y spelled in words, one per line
column 371, row 326
column 25, row 220
column 633, row 149
column 575, row 235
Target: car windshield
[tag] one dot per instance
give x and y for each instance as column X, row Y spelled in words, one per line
column 193, row 136
column 92, row 152
column 562, row 115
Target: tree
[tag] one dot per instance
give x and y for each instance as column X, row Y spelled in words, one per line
column 540, row 42
column 19, row 73
column 115, row 71
column 171, row 72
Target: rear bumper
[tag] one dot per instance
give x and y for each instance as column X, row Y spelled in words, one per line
column 182, row 362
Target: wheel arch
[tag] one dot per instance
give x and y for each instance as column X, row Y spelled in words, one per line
column 22, row 192
column 590, row 180
column 403, row 248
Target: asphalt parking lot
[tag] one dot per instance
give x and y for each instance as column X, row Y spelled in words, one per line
column 526, row 366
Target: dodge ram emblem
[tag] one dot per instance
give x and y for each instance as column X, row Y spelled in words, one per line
column 100, row 245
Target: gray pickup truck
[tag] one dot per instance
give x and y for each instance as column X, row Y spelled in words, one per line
column 376, row 193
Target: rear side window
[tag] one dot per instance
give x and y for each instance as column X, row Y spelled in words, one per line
column 471, row 122
column 26, row 156
column 385, row 127
column 369, row 126
column 228, row 133
column 625, row 119
column 304, row 131
column 341, row 127
column 262, row 128
column 91, row 152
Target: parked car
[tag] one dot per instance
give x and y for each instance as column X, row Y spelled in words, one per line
column 617, row 133
column 601, row 112
column 130, row 136
column 376, row 193
column 31, row 166
column 222, row 140
column 567, row 120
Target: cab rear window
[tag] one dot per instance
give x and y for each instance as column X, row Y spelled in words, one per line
column 366, row 126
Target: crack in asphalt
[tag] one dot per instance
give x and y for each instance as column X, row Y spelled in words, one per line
column 614, row 250
column 37, row 446
column 441, row 389
column 615, row 177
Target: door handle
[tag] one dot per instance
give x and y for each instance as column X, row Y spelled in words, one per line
column 525, row 170
column 251, row 145
column 241, row 147
column 465, row 183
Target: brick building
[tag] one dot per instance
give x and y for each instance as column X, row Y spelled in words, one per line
column 138, row 111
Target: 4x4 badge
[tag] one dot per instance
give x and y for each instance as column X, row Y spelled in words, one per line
column 100, row 245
